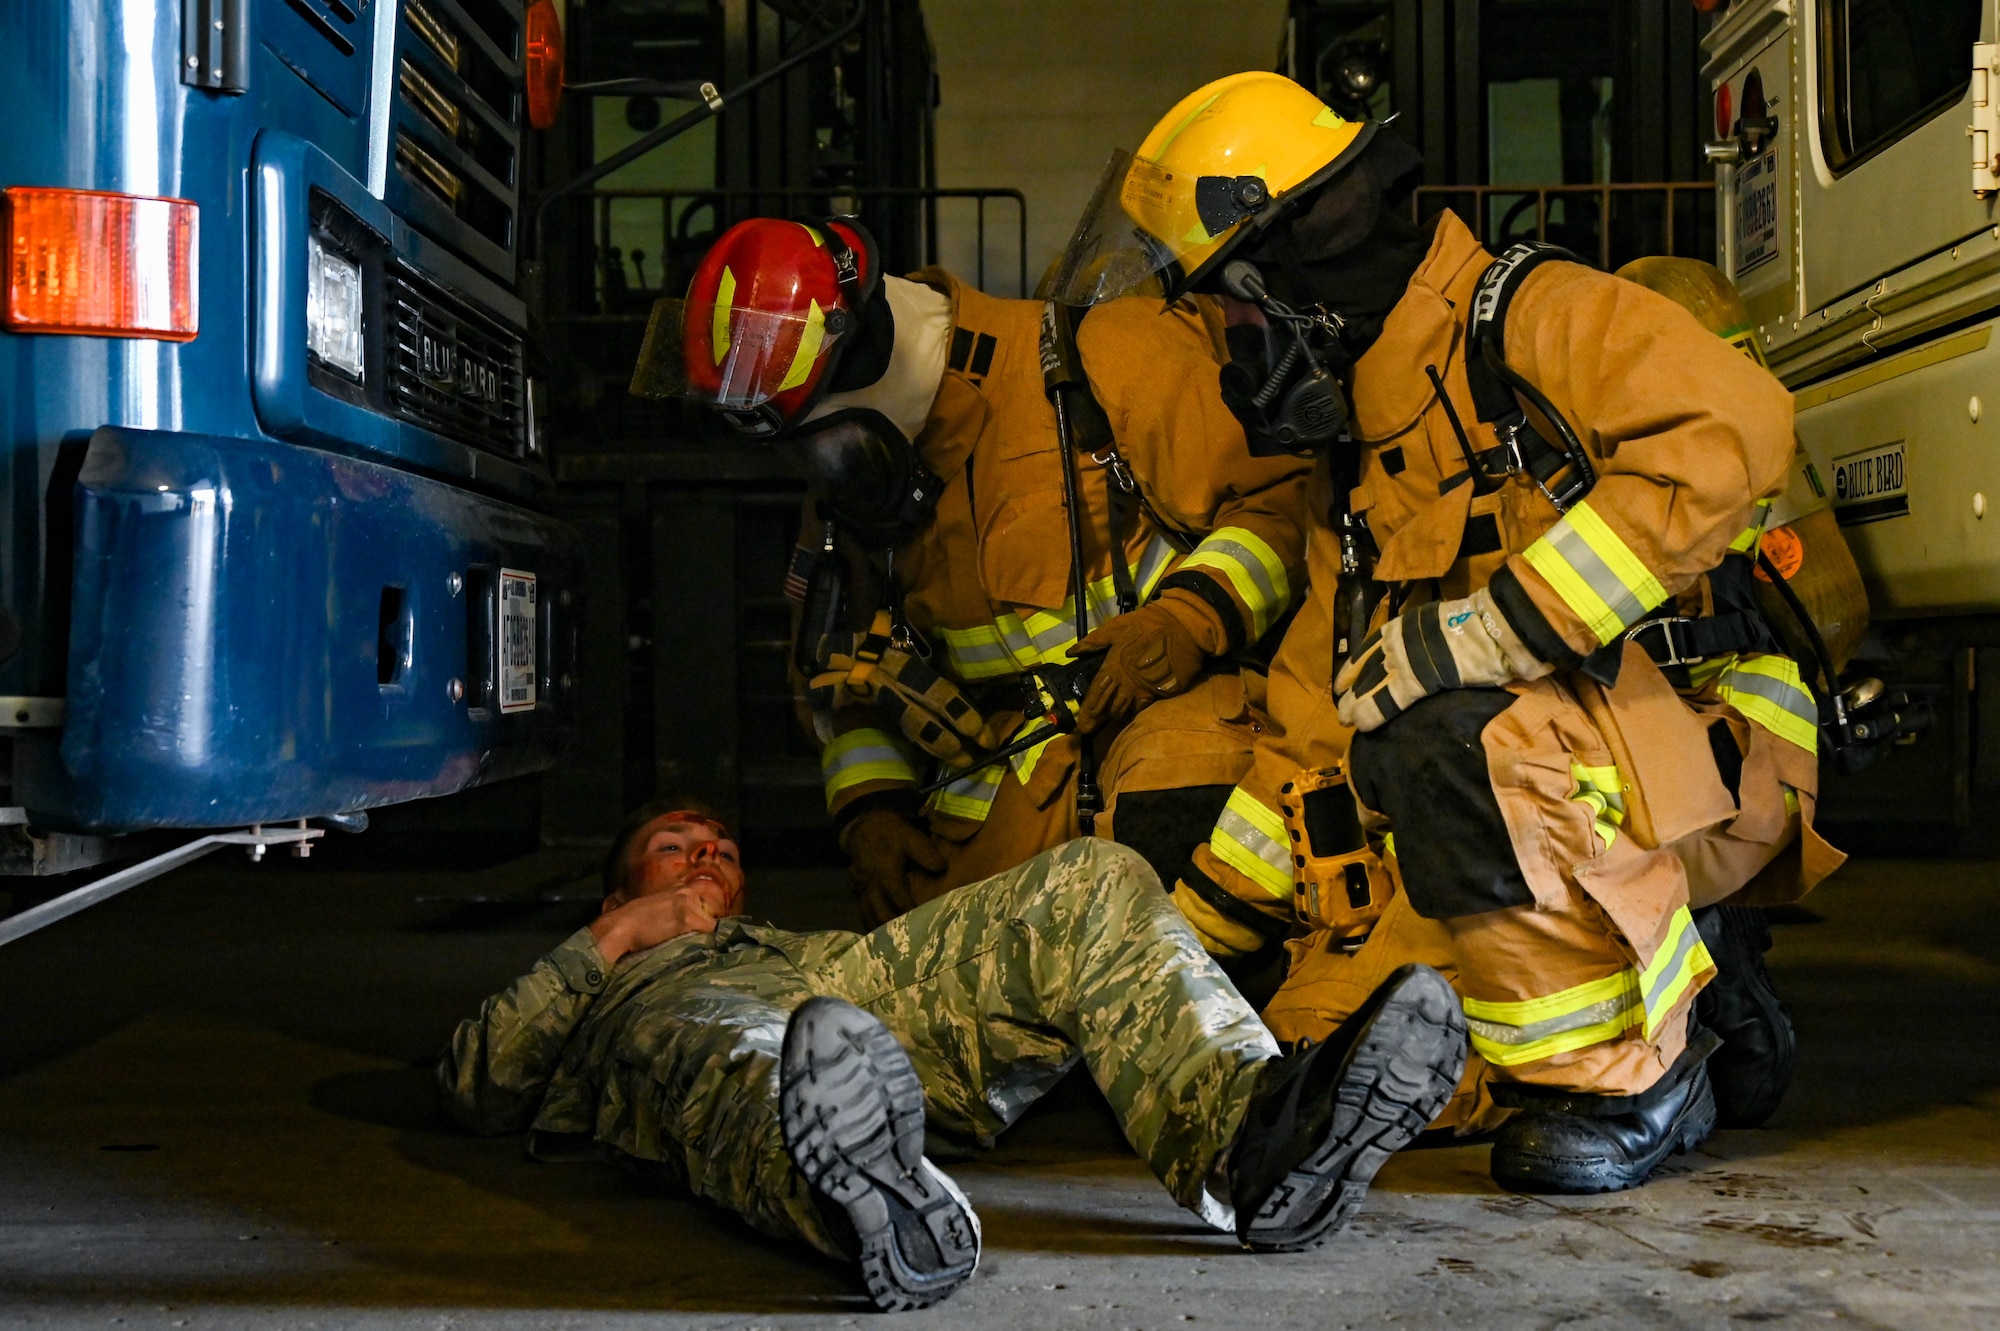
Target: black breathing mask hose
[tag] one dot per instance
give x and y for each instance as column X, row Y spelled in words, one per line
column 1299, row 407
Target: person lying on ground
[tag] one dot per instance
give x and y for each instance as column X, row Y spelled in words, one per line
column 791, row 1077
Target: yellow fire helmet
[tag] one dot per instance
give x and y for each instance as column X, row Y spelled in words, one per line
column 1218, row 166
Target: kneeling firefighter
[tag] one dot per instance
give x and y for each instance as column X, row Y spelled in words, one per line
column 1565, row 728
column 991, row 481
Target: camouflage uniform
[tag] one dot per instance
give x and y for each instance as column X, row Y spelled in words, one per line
column 670, row 1059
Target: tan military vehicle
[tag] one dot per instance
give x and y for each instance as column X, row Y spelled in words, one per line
column 1855, row 155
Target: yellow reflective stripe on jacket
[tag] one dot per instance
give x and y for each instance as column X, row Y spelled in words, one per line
column 1703, row 673
column 863, row 755
column 1603, row 790
column 1671, row 972
column 1250, row 838
column 1012, row 644
column 971, row 796
column 977, row 653
column 1595, row 573
column 1252, row 568
column 1768, row 690
column 1507, row 1034
column 1746, row 540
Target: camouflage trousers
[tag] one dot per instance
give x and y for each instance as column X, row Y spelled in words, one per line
column 995, row 990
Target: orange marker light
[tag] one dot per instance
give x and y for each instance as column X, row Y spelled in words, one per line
column 105, row 265
column 544, row 63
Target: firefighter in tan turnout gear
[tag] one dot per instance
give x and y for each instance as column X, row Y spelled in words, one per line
column 1564, row 727
column 936, row 570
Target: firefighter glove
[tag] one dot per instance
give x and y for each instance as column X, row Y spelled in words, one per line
column 883, row 849
column 1156, row 651
column 1437, row 646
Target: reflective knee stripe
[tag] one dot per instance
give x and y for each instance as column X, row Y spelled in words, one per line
column 1506, row 1034
column 971, row 796
column 1012, row 644
column 1252, row 568
column 1746, row 540
column 1250, row 838
column 1768, row 690
column 863, row 755
column 1595, row 573
column 1671, row 972
column 1604, row 791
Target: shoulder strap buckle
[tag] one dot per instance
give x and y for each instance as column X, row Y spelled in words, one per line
column 1676, row 641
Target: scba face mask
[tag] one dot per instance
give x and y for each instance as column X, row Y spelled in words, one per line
column 864, row 473
column 1282, row 382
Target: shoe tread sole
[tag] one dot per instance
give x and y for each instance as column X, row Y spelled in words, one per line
column 852, row 1111
column 1400, row 1075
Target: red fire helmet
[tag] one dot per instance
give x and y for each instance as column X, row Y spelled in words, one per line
column 765, row 315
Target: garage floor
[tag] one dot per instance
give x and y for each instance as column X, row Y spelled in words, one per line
column 213, row 1114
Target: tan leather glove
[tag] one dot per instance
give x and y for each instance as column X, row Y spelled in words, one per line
column 881, row 847
column 1156, row 651
column 1437, row 646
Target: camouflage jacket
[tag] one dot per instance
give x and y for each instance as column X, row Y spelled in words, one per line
column 535, row 1055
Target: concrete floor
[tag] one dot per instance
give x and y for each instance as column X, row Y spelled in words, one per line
column 214, row 1113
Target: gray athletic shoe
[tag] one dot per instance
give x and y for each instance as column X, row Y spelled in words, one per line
column 852, row 1111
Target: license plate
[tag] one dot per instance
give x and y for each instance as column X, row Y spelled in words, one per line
column 1757, row 211
column 517, row 640
column 1870, row 485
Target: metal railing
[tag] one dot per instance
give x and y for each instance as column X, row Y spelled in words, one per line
column 1600, row 216
column 689, row 219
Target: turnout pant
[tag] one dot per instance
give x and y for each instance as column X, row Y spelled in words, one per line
column 1570, row 938
column 995, row 990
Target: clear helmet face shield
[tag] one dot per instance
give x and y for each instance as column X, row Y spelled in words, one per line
column 1146, row 230
column 1109, row 254
column 732, row 357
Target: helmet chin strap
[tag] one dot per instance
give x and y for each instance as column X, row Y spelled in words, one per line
column 909, row 384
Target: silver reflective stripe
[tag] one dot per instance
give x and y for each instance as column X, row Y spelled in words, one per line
column 1247, row 835
column 1610, row 588
column 1665, row 977
column 1597, row 1014
column 1793, row 699
column 1153, row 565
column 1253, row 567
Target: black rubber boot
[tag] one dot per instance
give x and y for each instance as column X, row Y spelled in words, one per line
column 1753, row 1069
column 852, row 1111
column 1571, row 1142
column 1323, row 1120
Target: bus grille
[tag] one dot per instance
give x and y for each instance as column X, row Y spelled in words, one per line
column 450, row 368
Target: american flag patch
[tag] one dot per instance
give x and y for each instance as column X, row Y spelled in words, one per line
column 804, row 559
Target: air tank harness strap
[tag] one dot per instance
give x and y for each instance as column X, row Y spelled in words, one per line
column 1497, row 390
column 1738, row 624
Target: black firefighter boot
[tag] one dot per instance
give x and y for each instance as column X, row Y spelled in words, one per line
column 852, row 1111
column 1753, row 1069
column 1323, row 1120
column 1575, row 1142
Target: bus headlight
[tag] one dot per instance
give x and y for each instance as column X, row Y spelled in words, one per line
column 333, row 307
